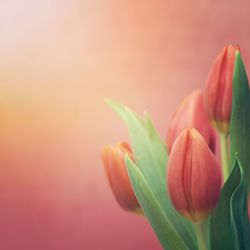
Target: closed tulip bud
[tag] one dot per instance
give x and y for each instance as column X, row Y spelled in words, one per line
column 113, row 158
column 193, row 176
column 191, row 114
column 219, row 87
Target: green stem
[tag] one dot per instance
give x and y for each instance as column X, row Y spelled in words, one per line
column 201, row 237
column 224, row 155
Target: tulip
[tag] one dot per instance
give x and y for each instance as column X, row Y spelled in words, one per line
column 193, row 176
column 219, row 86
column 191, row 114
column 113, row 158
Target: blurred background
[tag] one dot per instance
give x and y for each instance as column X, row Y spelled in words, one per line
column 58, row 60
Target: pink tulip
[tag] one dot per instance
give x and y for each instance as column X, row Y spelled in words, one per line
column 218, row 91
column 191, row 114
column 193, row 176
column 113, row 158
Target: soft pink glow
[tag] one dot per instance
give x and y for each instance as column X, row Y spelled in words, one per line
column 58, row 60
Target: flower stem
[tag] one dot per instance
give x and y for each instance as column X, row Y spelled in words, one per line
column 224, row 154
column 201, row 237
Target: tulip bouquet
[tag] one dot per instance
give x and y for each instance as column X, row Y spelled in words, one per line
column 191, row 199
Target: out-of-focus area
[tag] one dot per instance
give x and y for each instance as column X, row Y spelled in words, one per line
column 58, row 60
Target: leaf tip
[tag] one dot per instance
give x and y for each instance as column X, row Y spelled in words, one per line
column 238, row 60
column 109, row 102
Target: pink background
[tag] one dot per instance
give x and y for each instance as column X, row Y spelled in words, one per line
column 58, row 60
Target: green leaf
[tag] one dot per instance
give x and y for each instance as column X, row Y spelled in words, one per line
column 168, row 237
column 239, row 214
column 229, row 225
column 240, row 118
column 151, row 158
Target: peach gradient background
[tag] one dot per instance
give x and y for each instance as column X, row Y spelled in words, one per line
column 58, row 60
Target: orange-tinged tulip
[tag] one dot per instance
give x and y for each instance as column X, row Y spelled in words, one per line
column 113, row 158
column 191, row 114
column 219, row 87
column 193, row 176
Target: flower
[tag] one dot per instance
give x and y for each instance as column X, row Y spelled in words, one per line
column 113, row 158
column 191, row 114
column 193, row 176
column 219, row 87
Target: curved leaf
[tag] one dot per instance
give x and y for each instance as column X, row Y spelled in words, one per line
column 240, row 118
column 151, row 158
column 152, row 209
column 229, row 227
column 239, row 214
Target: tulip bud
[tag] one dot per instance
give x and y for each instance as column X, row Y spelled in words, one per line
column 193, row 176
column 113, row 158
column 191, row 114
column 219, row 87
